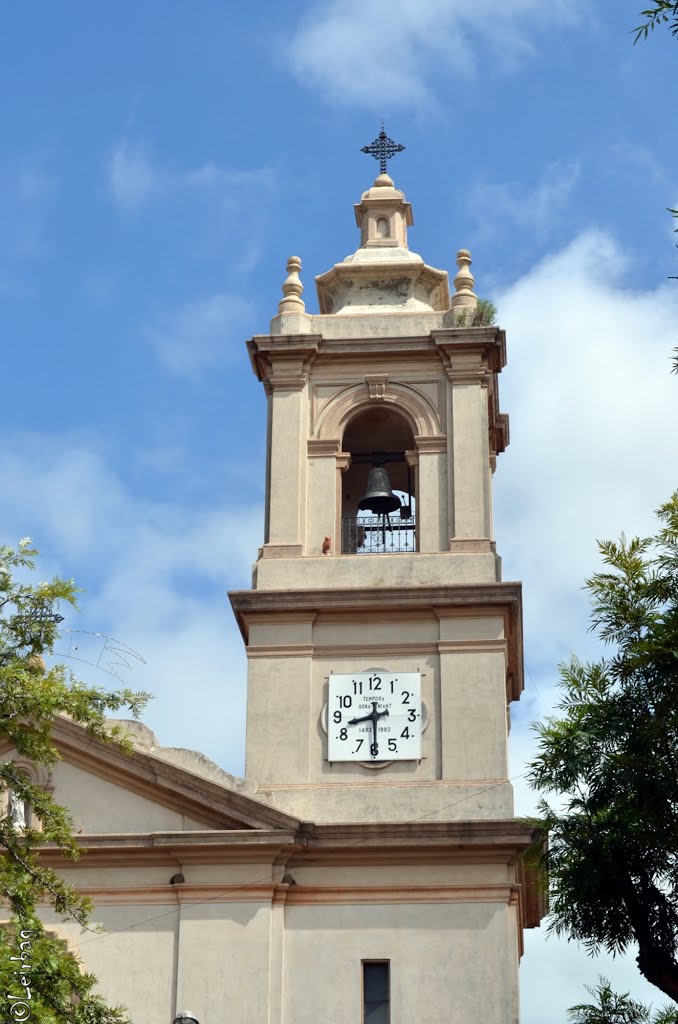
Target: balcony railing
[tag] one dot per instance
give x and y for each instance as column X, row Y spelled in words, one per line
column 378, row 535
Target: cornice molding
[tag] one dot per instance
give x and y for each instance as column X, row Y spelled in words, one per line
column 163, row 782
column 461, row 600
column 323, row 447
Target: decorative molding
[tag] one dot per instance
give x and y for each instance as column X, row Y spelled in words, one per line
column 468, row 375
column 281, row 550
column 481, row 599
column 353, row 650
column 163, row 782
column 280, row 651
column 433, row 443
column 457, row 346
column 284, row 361
column 391, row 783
column 302, row 895
column 290, row 380
column 414, row 406
column 472, row 646
column 168, row 895
column 473, row 546
column 322, row 447
column 376, row 383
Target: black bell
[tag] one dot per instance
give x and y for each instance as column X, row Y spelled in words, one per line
column 379, row 498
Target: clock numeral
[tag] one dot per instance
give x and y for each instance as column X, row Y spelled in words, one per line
column 337, row 716
column 374, row 749
column 343, row 734
column 345, row 702
column 411, row 715
column 405, row 734
column 374, row 683
column 406, row 697
column 393, row 746
column 359, row 745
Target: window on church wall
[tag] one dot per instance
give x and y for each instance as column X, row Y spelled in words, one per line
column 376, row 992
column 378, row 489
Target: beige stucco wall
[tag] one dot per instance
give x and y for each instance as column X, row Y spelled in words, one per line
column 448, row 963
column 99, row 805
column 463, row 771
column 453, row 953
column 133, row 958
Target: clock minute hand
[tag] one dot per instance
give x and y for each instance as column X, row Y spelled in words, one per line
column 375, row 716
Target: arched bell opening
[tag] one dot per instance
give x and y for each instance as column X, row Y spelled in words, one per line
column 378, row 492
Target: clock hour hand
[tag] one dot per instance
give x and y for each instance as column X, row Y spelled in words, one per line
column 372, row 717
column 356, row 721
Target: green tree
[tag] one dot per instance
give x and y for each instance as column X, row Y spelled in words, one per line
column 611, row 1008
column 661, row 12
column 55, row 988
column 611, row 759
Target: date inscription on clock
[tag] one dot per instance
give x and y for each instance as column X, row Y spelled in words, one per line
column 374, row 716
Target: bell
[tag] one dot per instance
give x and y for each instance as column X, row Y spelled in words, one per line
column 379, row 497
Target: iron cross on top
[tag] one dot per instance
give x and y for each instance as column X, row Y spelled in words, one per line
column 382, row 149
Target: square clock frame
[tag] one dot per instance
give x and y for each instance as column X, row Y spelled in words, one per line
column 374, row 716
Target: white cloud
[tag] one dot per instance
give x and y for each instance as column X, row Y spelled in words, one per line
column 368, row 52
column 155, row 574
column 191, row 337
column 533, row 209
column 134, row 178
column 594, row 411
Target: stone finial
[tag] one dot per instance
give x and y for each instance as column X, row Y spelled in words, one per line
column 292, row 288
column 464, row 296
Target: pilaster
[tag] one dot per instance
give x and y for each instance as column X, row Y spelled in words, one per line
column 322, row 495
column 472, row 360
column 283, row 364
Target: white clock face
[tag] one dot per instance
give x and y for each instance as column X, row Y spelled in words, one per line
column 374, row 716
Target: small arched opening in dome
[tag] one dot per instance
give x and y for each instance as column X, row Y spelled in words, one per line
column 383, row 228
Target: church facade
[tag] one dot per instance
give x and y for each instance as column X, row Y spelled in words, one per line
column 368, row 869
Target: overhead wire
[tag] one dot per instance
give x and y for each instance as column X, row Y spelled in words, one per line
column 244, row 886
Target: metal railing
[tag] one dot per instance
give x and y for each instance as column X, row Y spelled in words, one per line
column 377, row 535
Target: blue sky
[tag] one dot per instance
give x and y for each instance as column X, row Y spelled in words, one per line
column 158, row 164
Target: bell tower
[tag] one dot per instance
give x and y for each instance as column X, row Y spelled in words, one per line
column 383, row 647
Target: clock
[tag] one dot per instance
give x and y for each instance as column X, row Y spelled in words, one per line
column 374, row 716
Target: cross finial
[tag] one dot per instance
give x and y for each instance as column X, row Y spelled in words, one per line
column 382, row 149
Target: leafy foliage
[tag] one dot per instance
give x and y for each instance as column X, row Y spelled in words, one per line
column 483, row 315
column 31, row 696
column 612, row 759
column 662, row 12
column 611, row 1008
